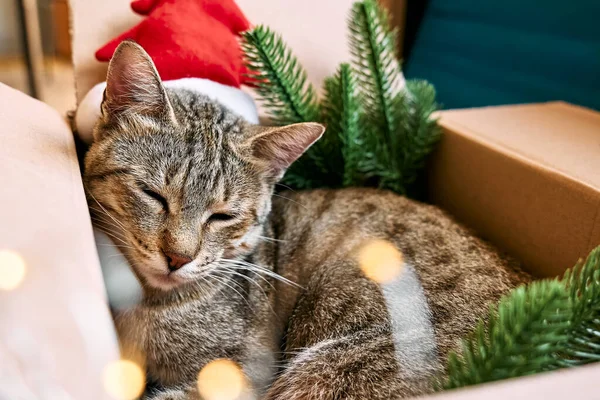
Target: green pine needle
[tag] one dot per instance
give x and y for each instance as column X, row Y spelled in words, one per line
column 399, row 132
column 373, row 46
column 544, row 326
column 342, row 144
column 420, row 132
column 379, row 133
column 521, row 337
column 583, row 283
column 283, row 88
column 280, row 80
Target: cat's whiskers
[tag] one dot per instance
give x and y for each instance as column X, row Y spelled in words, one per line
column 235, row 284
column 107, row 213
column 100, row 215
column 249, row 279
column 105, row 227
column 259, row 269
column 234, row 272
column 285, row 186
column 108, row 228
column 234, row 266
column 270, row 239
column 208, row 283
column 118, row 246
column 229, row 268
column 113, row 256
column 106, row 223
column 223, row 281
column 292, row 200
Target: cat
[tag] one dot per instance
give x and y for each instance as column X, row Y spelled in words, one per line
column 231, row 268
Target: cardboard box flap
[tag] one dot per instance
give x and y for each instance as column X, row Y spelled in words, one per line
column 578, row 383
column 525, row 178
column 56, row 333
column 557, row 135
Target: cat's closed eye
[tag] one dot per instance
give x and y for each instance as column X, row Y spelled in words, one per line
column 157, row 197
column 220, row 217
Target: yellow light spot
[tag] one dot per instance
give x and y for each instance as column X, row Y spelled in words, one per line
column 380, row 261
column 124, row 380
column 221, row 380
column 12, row 270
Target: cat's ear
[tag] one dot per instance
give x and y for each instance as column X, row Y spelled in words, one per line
column 278, row 147
column 133, row 85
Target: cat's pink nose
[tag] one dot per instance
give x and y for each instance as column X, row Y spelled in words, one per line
column 176, row 260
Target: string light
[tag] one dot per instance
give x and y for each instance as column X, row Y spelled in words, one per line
column 380, row 261
column 12, row 270
column 124, row 380
column 221, row 379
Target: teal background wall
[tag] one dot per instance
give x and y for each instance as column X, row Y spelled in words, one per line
column 491, row 52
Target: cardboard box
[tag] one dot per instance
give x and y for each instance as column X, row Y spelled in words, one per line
column 62, row 38
column 397, row 10
column 522, row 176
column 576, row 384
column 56, row 331
column 525, row 177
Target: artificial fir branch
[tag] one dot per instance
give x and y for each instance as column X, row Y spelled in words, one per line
column 283, row 89
column 342, row 144
column 520, row 337
column 583, row 284
column 399, row 132
column 373, row 47
column 419, row 131
column 380, row 133
column 541, row 327
column 280, row 80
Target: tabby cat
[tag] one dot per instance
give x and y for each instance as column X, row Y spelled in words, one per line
column 232, row 269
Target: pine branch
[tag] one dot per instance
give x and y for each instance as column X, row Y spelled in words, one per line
column 420, row 132
column 373, row 46
column 542, row 327
column 341, row 113
column 583, row 282
column 520, row 338
column 378, row 134
column 283, row 88
column 280, row 80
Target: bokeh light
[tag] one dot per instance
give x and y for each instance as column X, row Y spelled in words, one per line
column 221, row 379
column 380, row 261
column 124, row 380
column 12, row 270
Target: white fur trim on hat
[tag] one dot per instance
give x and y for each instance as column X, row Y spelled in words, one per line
column 231, row 97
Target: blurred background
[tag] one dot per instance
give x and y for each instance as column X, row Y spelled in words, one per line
column 479, row 53
column 35, row 50
column 475, row 53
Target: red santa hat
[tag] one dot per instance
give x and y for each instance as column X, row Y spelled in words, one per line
column 194, row 45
